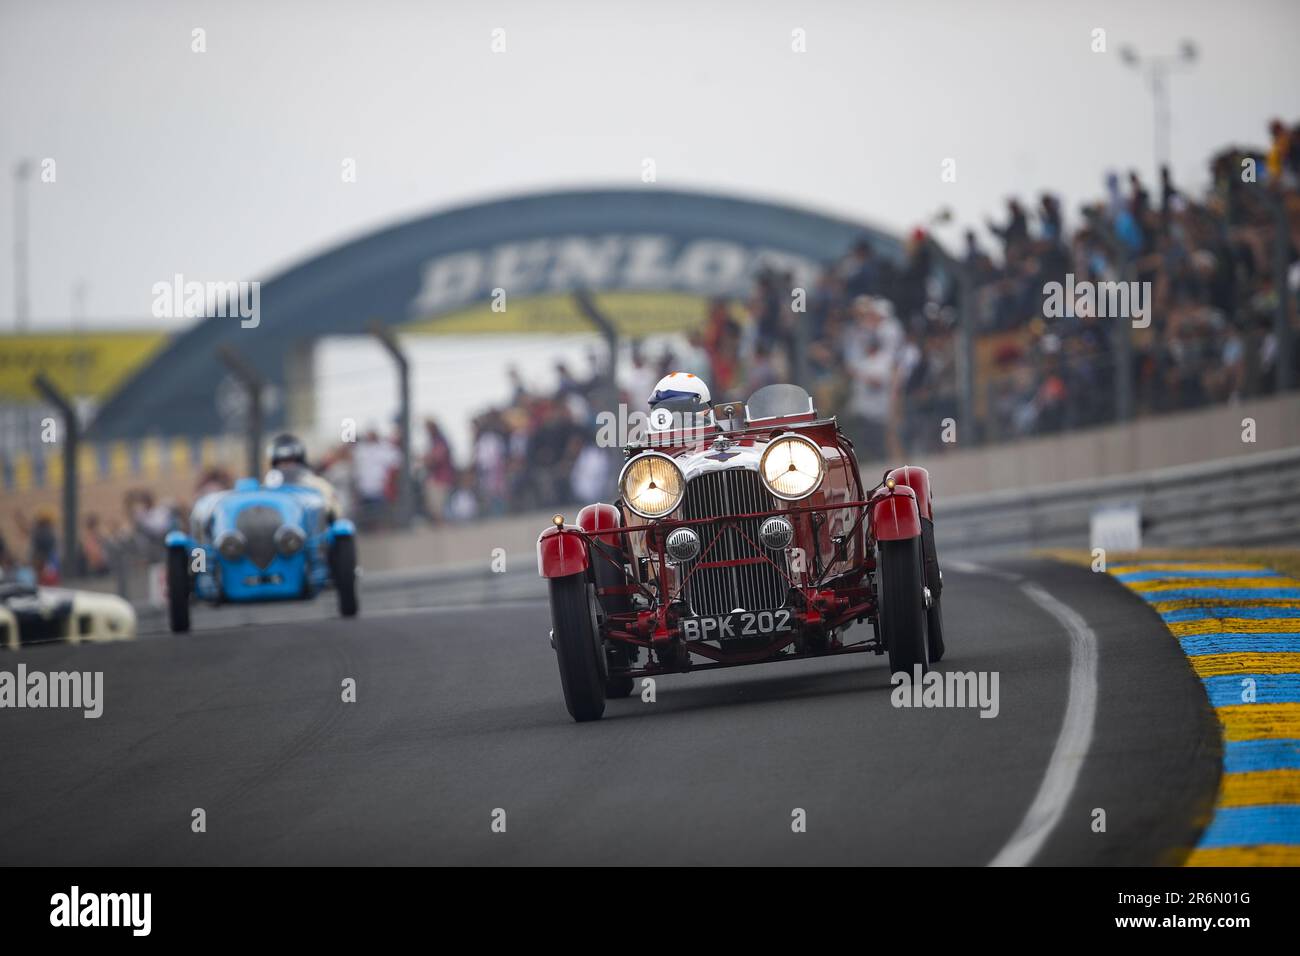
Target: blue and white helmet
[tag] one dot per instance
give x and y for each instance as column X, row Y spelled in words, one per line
column 679, row 400
column 681, row 391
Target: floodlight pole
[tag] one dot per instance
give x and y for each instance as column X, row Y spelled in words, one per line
column 405, row 491
column 1121, row 337
column 254, row 385
column 22, row 173
column 965, row 352
column 605, row 326
column 71, row 435
column 1157, row 70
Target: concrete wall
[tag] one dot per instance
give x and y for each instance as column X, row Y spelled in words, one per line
column 1162, row 442
column 454, row 546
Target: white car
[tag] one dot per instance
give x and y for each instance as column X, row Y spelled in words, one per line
column 30, row 615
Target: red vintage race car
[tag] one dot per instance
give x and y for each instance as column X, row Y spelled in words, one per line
column 740, row 537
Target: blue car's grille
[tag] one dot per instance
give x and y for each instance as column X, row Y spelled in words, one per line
column 258, row 523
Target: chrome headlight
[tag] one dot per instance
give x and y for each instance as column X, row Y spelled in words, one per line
column 682, row 545
column 652, row 485
column 792, row 467
column 289, row 540
column 231, row 544
column 776, row 533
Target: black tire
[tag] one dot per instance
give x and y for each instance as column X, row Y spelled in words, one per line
column 902, row 605
column 934, row 581
column 178, row 590
column 618, row 657
column 577, row 650
column 343, row 570
column 934, row 630
column 619, row 686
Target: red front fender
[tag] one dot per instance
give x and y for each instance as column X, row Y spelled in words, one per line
column 596, row 518
column 918, row 479
column 561, row 552
column 895, row 516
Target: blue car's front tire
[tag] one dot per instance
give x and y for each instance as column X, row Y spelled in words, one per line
column 178, row 589
column 343, row 569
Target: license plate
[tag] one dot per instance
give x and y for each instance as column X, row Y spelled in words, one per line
column 736, row 625
column 256, row 579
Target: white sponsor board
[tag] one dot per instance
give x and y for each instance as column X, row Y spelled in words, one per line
column 1116, row 527
column 642, row 261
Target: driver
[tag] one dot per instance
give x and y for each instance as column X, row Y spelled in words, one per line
column 680, row 393
column 289, row 458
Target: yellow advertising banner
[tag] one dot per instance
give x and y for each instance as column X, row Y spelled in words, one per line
column 636, row 314
column 87, row 364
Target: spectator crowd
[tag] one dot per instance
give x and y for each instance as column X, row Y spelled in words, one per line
column 877, row 339
column 880, row 333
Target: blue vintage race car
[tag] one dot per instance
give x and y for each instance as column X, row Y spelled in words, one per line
column 260, row 542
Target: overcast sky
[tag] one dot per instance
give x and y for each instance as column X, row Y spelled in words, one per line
column 226, row 164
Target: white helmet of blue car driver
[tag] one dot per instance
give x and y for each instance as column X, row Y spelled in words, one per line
column 680, row 392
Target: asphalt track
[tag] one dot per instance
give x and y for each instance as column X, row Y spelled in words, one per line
column 458, row 713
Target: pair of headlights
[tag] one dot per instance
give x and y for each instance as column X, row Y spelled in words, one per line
column 289, row 540
column 791, row 467
column 683, row 544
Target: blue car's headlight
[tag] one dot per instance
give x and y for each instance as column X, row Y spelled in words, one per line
column 289, row 540
column 231, row 544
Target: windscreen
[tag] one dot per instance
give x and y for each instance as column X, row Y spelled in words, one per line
column 776, row 401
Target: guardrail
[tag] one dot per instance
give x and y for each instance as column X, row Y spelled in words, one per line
column 1252, row 500
column 1247, row 501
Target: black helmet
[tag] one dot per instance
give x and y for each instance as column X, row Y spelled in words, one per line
column 287, row 449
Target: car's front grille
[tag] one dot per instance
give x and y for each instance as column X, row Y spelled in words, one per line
column 258, row 524
column 756, row 586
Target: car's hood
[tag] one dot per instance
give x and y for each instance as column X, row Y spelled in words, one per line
column 709, row 458
column 290, row 503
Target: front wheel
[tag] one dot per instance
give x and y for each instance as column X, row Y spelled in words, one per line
column 611, row 591
column 178, row 590
column 934, row 630
column 934, row 581
column 343, row 569
column 902, row 605
column 619, row 685
column 577, row 647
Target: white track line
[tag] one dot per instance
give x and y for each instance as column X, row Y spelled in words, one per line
column 970, row 567
column 458, row 608
column 1071, row 745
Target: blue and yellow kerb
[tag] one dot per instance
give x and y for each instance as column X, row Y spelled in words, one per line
column 1239, row 625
